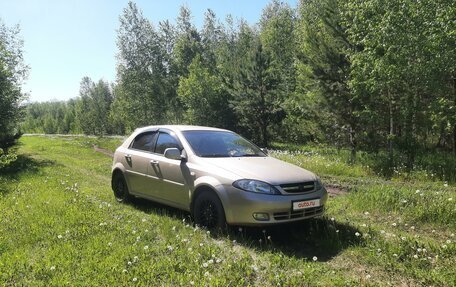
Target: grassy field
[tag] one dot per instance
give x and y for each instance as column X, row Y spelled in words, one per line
column 60, row 226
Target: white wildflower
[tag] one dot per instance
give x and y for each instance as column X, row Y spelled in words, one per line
column 314, row 258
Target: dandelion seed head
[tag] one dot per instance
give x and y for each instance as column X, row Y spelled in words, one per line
column 314, row 258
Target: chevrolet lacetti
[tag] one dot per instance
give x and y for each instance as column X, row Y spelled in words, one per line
column 216, row 175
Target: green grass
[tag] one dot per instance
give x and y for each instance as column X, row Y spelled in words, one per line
column 60, row 226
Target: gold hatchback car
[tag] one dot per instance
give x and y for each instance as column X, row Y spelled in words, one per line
column 216, row 175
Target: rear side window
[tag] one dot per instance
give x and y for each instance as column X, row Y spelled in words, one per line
column 165, row 141
column 144, row 141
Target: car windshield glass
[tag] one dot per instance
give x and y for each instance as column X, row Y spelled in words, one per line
column 221, row 144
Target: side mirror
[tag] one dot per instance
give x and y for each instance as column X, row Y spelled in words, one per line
column 173, row 153
column 264, row 150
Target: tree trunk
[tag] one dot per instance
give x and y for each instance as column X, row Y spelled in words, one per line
column 391, row 131
column 454, row 124
column 352, row 145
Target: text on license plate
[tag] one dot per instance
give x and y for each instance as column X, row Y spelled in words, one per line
column 299, row 205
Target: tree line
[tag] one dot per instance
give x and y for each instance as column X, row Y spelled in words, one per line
column 371, row 75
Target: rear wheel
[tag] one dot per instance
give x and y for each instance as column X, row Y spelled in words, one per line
column 120, row 188
column 208, row 211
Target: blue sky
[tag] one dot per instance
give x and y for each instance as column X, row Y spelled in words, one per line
column 67, row 40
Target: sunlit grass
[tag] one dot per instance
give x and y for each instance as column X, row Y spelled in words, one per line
column 60, row 226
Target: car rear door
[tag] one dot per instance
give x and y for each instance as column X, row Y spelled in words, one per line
column 138, row 159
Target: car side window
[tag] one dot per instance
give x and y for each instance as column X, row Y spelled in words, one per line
column 165, row 141
column 144, row 141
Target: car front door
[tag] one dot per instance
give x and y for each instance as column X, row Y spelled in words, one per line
column 171, row 184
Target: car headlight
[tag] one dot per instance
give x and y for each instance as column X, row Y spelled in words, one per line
column 255, row 186
column 318, row 184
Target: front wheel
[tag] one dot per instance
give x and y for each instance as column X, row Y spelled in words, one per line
column 208, row 211
column 120, row 188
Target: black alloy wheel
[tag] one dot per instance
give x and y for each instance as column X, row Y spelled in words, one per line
column 120, row 188
column 208, row 211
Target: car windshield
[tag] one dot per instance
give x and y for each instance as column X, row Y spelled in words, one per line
column 221, row 144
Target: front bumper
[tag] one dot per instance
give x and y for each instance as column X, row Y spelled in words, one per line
column 240, row 206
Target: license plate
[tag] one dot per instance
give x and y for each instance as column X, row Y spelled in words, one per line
column 300, row 205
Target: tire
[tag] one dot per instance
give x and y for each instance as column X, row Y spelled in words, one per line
column 208, row 211
column 120, row 188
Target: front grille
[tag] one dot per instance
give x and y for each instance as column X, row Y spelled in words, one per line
column 298, row 214
column 300, row 187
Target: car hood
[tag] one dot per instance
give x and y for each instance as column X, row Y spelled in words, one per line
column 267, row 169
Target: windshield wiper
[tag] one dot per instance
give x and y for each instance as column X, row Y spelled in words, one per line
column 247, row 155
column 215, row 155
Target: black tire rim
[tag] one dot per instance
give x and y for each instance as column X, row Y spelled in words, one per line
column 119, row 189
column 208, row 215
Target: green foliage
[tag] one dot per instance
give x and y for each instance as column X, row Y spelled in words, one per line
column 203, row 95
column 12, row 73
column 51, row 118
column 92, row 110
column 257, row 97
column 6, row 158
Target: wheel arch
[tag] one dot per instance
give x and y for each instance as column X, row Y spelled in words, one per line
column 206, row 188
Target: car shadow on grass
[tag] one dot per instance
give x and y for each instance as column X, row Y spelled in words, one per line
column 320, row 237
column 24, row 164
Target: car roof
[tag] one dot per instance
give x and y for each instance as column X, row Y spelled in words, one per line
column 178, row 128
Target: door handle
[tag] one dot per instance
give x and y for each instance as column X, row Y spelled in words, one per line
column 154, row 162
